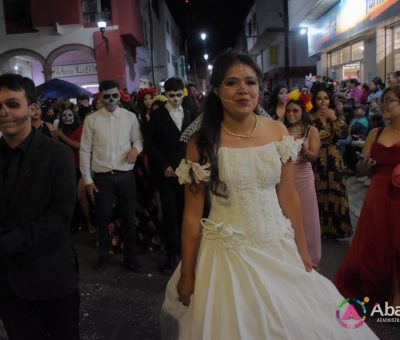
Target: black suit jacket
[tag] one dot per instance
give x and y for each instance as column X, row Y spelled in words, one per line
column 37, row 261
column 162, row 140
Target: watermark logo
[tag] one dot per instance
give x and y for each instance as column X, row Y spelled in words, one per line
column 351, row 312
column 386, row 314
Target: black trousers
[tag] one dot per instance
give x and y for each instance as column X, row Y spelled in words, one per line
column 122, row 187
column 172, row 202
column 56, row 319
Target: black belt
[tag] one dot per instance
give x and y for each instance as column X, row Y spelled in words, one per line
column 112, row 172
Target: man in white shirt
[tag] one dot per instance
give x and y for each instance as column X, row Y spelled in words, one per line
column 165, row 152
column 111, row 141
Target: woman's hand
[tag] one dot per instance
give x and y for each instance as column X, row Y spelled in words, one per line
column 327, row 113
column 305, row 257
column 185, row 288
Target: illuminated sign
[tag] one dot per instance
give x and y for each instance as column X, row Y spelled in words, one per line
column 74, row 70
column 348, row 18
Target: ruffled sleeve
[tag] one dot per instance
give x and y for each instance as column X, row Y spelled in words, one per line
column 189, row 172
column 288, row 148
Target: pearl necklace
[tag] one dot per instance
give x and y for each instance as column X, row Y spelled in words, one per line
column 240, row 135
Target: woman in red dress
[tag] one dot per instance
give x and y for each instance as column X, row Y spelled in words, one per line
column 371, row 266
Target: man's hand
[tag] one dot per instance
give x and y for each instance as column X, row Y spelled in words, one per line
column 169, row 172
column 91, row 189
column 131, row 156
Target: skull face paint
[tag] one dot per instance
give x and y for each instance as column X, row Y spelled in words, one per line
column 175, row 98
column 110, row 99
column 67, row 117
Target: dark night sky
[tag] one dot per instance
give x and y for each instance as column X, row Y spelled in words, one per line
column 223, row 21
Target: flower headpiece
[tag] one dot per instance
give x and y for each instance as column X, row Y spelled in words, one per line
column 147, row 90
column 125, row 97
column 296, row 95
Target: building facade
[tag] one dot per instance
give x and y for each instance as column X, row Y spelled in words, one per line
column 353, row 38
column 281, row 52
column 42, row 40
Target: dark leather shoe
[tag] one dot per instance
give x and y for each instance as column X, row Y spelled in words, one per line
column 101, row 265
column 133, row 265
column 169, row 266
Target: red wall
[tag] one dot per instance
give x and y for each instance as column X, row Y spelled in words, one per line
column 47, row 12
column 126, row 14
column 111, row 62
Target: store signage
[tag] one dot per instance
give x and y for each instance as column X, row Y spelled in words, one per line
column 74, row 70
column 348, row 18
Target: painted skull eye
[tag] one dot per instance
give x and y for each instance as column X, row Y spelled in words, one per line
column 108, row 96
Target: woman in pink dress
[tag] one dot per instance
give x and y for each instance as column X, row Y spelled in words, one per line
column 298, row 124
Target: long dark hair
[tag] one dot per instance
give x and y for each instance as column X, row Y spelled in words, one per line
column 305, row 119
column 209, row 135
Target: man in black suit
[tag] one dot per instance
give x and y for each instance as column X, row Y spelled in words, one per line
column 38, row 269
column 165, row 152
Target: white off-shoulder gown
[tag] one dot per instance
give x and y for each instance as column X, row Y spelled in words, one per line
column 250, row 280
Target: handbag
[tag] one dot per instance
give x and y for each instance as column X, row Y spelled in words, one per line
column 396, row 176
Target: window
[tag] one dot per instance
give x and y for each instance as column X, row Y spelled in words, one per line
column 92, row 10
column 273, row 55
column 347, row 54
column 167, row 26
column 396, row 37
column 357, row 51
column 168, row 57
column 17, row 15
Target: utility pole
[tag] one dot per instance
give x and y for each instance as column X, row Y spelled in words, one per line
column 151, row 43
column 286, row 35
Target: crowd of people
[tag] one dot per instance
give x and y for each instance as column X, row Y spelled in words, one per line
column 265, row 177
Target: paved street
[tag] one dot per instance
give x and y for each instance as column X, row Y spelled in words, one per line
column 124, row 306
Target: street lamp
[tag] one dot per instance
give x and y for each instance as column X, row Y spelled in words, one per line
column 209, row 67
column 101, row 24
column 203, row 36
column 206, row 56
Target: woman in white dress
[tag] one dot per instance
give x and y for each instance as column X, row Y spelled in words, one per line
column 245, row 271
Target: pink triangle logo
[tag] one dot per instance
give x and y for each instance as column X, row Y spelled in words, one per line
column 351, row 313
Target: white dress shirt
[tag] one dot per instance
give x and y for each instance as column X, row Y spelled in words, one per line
column 176, row 115
column 106, row 140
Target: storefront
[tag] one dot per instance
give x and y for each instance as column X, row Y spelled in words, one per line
column 357, row 39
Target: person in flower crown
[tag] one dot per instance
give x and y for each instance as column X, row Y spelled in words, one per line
column 145, row 101
column 245, row 271
column 299, row 126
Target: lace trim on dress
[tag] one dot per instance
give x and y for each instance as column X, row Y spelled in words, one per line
column 189, row 172
column 288, row 148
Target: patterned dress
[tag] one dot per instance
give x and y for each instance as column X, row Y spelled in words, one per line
column 330, row 179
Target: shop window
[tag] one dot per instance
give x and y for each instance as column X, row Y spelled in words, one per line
column 397, row 61
column 396, row 37
column 345, row 54
column 357, row 51
column 17, row 15
column 92, row 10
column 352, row 71
column 336, row 58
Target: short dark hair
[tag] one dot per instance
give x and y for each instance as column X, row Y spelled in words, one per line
column 174, row 84
column 16, row 82
column 108, row 85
